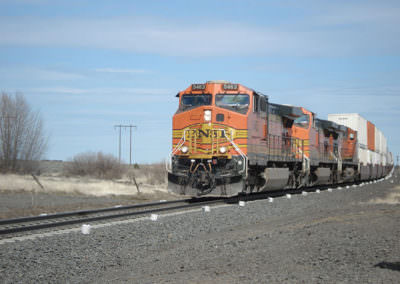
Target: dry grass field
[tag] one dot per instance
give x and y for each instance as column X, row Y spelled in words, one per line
column 149, row 178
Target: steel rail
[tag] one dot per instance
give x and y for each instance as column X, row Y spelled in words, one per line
column 85, row 212
column 98, row 218
column 203, row 201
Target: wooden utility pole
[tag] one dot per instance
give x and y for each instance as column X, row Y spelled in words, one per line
column 120, row 126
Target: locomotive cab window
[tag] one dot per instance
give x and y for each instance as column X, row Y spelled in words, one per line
column 191, row 101
column 256, row 103
column 263, row 104
column 260, row 104
column 236, row 102
column 302, row 121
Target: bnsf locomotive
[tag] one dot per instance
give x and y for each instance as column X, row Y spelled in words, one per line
column 229, row 139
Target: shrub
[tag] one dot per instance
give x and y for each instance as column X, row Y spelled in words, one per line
column 155, row 173
column 99, row 165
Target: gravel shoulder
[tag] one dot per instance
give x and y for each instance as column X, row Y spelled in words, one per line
column 346, row 236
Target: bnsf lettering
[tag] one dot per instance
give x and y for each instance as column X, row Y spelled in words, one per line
column 206, row 133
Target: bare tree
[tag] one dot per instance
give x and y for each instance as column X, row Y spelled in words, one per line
column 22, row 137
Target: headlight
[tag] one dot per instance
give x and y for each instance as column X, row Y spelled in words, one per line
column 222, row 150
column 184, row 149
column 207, row 115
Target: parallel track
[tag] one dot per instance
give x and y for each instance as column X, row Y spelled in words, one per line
column 9, row 227
column 27, row 224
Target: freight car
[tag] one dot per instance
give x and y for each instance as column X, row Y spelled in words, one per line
column 228, row 139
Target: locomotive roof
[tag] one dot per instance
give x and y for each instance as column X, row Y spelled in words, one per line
column 291, row 112
column 330, row 125
column 227, row 86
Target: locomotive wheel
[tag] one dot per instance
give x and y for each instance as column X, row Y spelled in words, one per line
column 334, row 177
column 244, row 186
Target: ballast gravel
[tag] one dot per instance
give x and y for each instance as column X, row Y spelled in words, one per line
column 344, row 236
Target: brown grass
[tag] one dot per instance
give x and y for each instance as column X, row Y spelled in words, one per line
column 74, row 185
column 151, row 174
column 151, row 178
column 98, row 165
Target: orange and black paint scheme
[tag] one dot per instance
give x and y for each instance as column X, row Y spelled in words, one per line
column 228, row 139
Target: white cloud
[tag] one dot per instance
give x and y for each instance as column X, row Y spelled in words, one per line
column 31, row 2
column 343, row 29
column 119, row 70
column 56, row 90
column 110, row 112
column 376, row 104
column 108, row 96
column 33, row 73
column 83, row 91
column 367, row 13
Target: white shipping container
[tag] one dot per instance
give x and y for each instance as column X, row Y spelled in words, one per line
column 389, row 158
column 376, row 158
column 383, row 144
column 371, row 157
column 355, row 122
column 378, row 136
column 363, row 156
column 384, row 159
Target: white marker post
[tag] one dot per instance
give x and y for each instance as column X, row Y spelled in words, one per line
column 85, row 229
column 206, row 209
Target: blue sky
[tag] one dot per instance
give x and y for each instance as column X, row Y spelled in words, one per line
column 89, row 65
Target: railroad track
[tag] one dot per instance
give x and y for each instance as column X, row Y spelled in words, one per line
column 9, row 227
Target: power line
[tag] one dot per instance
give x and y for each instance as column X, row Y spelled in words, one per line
column 120, row 126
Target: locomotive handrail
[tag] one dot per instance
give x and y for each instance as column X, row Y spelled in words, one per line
column 183, row 140
column 305, row 161
column 340, row 162
column 237, row 150
column 176, row 149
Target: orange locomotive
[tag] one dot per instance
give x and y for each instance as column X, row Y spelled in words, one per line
column 229, row 139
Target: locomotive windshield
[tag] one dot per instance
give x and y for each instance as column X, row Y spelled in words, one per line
column 302, row 121
column 235, row 102
column 191, row 101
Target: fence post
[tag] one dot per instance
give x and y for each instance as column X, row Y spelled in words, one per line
column 37, row 181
